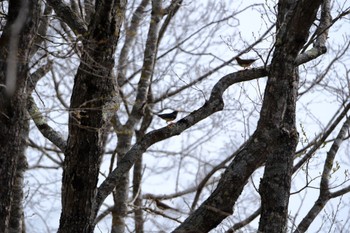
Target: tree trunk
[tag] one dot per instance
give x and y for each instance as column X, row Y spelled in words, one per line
column 278, row 112
column 94, row 101
column 120, row 194
column 137, row 179
column 138, row 170
column 16, row 219
column 19, row 30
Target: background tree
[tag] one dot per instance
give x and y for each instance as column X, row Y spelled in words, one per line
column 18, row 27
column 95, row 74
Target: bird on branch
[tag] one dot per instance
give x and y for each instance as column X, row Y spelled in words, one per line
column 245, row 63
column 168, row 117
column 163, row 206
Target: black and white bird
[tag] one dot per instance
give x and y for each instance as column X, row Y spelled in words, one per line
column 168, row 117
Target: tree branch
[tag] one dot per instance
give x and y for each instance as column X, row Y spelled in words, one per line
column 317, row 144
column 150, row 55
column 214, row 104
column 244, row 222
column 37, row 75
column 325, row 194
column 46, row 130
column 70, row 17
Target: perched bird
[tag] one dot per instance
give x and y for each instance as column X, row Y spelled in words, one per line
column 168, row 117
column 245, row 63
column 163, row 206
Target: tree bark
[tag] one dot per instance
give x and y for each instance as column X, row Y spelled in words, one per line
column 137, row 179
column 94, row 101
column 138, row 170
column 19, row 30
column 278, row 111
column 120, row 194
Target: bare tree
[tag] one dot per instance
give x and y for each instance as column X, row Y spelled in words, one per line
column 93, row 75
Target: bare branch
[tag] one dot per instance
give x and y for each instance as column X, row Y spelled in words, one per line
column 46, row 130
column 325, row 194
column 214, row 104
column 37, row 75
column 244, row 222
column 324, row 136
column 70, row 17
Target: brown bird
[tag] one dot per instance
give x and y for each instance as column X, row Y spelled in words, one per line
column 245, row 63
column 163, row 206
column 168, row 117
